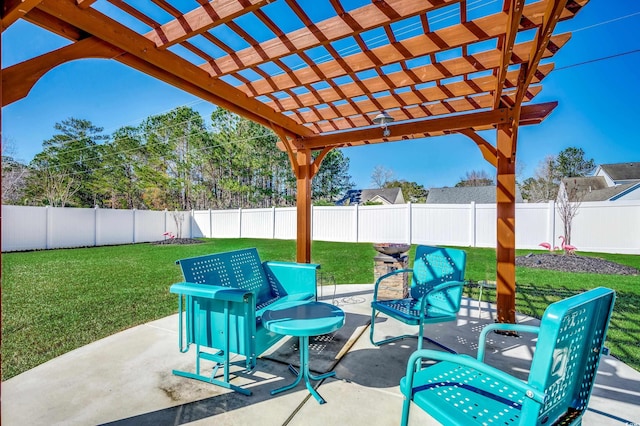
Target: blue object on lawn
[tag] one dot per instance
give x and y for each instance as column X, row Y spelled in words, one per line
column 223, row 298
column 435, row 294
column 462, row 390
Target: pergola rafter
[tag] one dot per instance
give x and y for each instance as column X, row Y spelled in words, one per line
column 317, row 73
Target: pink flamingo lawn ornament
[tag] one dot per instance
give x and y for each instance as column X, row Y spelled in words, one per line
column 568, row 248
column 545, row 245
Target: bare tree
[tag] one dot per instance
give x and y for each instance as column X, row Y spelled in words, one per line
column 476, row 178
column 570, row 197
column 59, row 189
column 381, row 176
column 14, row 174
column 178, row 218
column 544, row 185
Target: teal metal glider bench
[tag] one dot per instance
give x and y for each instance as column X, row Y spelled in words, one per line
column 461, row 390
column 220, row 306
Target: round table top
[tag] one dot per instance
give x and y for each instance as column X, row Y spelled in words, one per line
column 303, row 318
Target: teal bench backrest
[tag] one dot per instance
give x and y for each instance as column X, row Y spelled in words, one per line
column 240, row 269
column 570, row 342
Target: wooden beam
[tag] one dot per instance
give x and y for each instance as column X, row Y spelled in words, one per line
column 488, row 151
column 12, row 10
column 415, row 95
column 449, row 68
column 450, row 123
column 84, row 4
column 55, row 25
column 506, row 224
column 479, row 120
column 19, row 79
column 552, row 15
column 201, row 19
column 303, row 206
column 335, row 28
column 129, row 41
column 513, row 24
column 322, row 33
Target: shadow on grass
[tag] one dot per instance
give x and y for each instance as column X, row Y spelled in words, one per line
column 624, row 330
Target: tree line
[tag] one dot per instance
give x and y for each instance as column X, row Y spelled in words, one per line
column 173, row 161
column 170, row 161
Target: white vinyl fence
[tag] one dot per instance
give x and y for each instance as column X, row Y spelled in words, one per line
column 607, row 227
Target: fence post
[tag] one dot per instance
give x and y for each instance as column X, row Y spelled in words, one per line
column 47, row 227
column 357, row 222
column 165, row 220
column 473, row 224
column 95, row 226
column 409, row 230
column 273, row 222
column 134, row 218
column 551, row 223
column 210, row 223
column 240, row 223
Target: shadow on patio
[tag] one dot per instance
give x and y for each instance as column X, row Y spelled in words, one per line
column 126, row 378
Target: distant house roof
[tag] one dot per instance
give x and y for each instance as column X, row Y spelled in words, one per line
column 382, row 195
column 594, row 188
column 621, row 171
column 466, row 194
column 610, row 182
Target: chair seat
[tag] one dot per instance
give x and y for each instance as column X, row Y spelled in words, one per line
column 461, row 390
column 408, row 311
column 469, row 397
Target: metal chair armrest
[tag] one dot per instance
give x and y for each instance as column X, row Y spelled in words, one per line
column 414, row 365
column 502, row 327
column 430, row 298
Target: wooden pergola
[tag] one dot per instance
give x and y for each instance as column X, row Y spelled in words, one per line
column 318, row 72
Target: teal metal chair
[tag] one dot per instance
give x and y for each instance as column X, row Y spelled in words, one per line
column 462, row 390
column 437, row 282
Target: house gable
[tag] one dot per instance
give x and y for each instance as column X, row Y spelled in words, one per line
column 382, row 195
column 619, row 173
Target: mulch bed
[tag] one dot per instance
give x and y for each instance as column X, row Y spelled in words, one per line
column 575, row 263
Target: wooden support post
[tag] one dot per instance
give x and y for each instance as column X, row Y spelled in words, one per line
column 303, row 206
column 506, row 223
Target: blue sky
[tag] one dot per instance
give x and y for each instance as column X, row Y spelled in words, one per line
column 596, row 82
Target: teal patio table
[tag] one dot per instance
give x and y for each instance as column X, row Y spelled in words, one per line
column 304, row 319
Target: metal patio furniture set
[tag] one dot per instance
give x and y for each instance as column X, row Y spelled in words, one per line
column 234, row 304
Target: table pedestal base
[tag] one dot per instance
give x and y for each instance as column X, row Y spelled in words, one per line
column 304, row 372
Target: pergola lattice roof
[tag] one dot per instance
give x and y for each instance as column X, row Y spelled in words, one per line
column 318, row 71
column 315, row 67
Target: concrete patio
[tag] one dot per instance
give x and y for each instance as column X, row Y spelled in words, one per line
column 126, row 379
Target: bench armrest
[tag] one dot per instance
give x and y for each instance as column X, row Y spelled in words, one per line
column 209, row 291
column 293, row 277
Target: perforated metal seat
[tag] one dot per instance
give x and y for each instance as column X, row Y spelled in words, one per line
column 435, row 294
column 462, row 390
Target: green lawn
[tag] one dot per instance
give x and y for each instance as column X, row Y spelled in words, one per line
column 54, row 301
